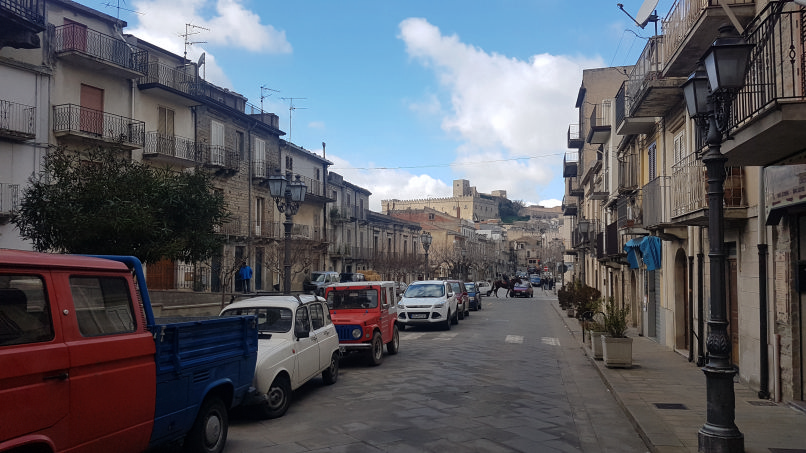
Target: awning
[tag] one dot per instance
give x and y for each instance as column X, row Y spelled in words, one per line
column 631, row 248
column 651, row 251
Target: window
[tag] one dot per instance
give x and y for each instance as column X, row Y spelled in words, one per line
column 431, row 216
column 260, row 204
column 165, row 122
column 269, row 319
column 239, row 142
column 317, row 174
column 24, row 310
column 260, row 167
column 289, row 163
column 303, row 323
column 653, row 164
column 317, row 316
column 216, row 143
column 103, row 305
column 679, row 146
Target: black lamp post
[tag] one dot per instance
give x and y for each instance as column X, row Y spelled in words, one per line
column 288, row 195
column 426, row 239
column 726, row 66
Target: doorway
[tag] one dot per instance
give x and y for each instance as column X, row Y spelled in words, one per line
column 681, row 314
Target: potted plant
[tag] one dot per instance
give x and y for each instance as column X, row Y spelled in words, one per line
column 616, row 346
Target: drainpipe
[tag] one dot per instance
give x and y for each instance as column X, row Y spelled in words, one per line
column 764, row 378
column 690, row 307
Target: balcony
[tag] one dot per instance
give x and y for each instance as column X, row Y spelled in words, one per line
column 627, row 124
column 612, row 243
column 569, row 206
column 767, row 119
column 690, row 193
column 584, row 234
column 575, row 140
column 261, row 171
column 20, row 22
column 691, row 27
column 9, row 200
column 570, row 161
column 206, row 91
column 99, row 52
column 222, row 159
column 657, row 210
column 72, row 121
column 171, row 150
column 648, row 93
column 599, row 190
column 314, row 188
column 573, row 188
column 601, row 123
column 232, row 227
column 628, row 165
column 17, row 121
column 173, row 81
column 630, row 213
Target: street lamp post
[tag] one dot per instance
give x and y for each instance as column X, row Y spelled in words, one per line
column 726, row 65
column 288, row 195
column 426, row 239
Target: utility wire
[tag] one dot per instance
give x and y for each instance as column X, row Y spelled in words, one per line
column 486, row 162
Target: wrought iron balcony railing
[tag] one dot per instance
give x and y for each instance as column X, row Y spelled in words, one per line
column 690, row 187
column 232, row 227
column 628, row 165
column 9, row 198
column 171, row 146
column 30, row 11
column 86, row 41
column 219, row 156
column 107, row 127
column 575, row 139
column 630, row 211
column 17, row 121
column 178, row 79
column 657, row 194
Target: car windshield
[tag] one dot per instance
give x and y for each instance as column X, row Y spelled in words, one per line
column 427, row 290
column 269, row 319
column 318, row 276
column 471, row 287
column 352, row 299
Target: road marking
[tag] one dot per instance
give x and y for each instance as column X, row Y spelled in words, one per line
column 412, row 335
column 550, row 340
column 514, row 339
column 445, row 336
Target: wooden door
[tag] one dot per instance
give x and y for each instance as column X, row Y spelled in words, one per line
column 92, row 106
column 75, row 36
column 161, row 275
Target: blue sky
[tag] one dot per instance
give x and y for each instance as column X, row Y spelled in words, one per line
column 410, row 95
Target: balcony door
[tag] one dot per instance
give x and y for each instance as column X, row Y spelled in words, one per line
column 92, row 106
column 166, row 141
column 75, row 36
column 216, row 143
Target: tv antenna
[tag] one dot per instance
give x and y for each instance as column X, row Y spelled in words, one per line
column 291, row 109
column 646, row 14
column 118, row 7
column 191, row 30
column 200, row 63
column 264, row 89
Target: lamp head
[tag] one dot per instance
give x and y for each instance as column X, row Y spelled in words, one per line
column 726, row 60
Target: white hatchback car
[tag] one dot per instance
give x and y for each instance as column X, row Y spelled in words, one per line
column 428, row 302
column 296, row 342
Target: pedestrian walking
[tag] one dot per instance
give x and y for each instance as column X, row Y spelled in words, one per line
column 245, row 274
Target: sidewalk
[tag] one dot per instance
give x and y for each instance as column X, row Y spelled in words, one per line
column 663, row 377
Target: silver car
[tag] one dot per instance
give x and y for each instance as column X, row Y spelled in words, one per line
column 427, row 303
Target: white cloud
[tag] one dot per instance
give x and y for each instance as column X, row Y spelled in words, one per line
column 550, row 203
column 501, row 108
column 228, row 23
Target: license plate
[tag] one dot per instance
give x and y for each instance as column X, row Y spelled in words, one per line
column 418, row 315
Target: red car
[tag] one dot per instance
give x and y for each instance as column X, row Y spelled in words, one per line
column 522, row 289
column 462, row 298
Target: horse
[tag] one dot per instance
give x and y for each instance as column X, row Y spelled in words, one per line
column 504, row 284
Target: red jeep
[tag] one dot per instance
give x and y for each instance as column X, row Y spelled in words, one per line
column 365, row 315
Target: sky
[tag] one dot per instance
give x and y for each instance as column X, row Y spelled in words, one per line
column 408, row 95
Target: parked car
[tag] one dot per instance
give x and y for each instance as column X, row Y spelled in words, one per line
column 474, row 295
column 365, row 315
column 352, row 277
column 522, row 289
column 319, row 281
column 484, row 287
column 400, row 288
column 534, row 279
column 462, row 298
column 296, row 342
column 428, row 302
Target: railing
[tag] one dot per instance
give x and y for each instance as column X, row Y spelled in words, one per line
column 79, row 38
column 313, row 186
column 682, row 17
column 301, row 231
column 17, row 119
column 9, row 198
column 575, row 136
column 170, row 145
column 219, row 156
column 167, row 275
column 657, row 197
column 30, row 10
column 231, row 227
column 71, row 118
column 690, row 187
column 621, row 107
column 261, row 169
column 776, row 66
column 178, row 79
column 630, row 211
column 208, row 91
column 600, row 252
column 571, row 157
column 612, row 245
column 648, row 67
column 628, row 171
column 601, row 115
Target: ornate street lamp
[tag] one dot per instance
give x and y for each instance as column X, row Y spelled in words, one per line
column 288, row 195
column 726, row 64
column 426, row 239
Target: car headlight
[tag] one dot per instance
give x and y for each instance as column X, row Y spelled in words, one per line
column 439, row 304
column 356, row 333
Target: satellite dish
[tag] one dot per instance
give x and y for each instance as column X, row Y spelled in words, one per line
column 645, row 12
column 201, row 60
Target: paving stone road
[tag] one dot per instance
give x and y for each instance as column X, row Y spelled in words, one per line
column 509, row 378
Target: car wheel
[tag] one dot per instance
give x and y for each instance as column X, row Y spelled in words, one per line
column 531, row 294
column 331, row 374
column 393, row 346
column 209, row 431
column 460, row 312
column 448, row 322
column 455, row 319
column 376, row 351
column 278, row 398
column 467, row 310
